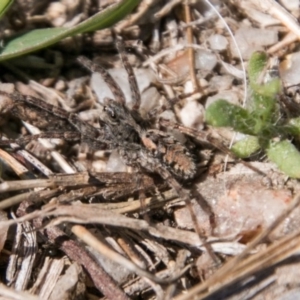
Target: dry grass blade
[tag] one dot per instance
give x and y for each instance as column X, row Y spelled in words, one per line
column 51, row 279
column 67, row 283
column 14, row 164
column 91, row 240
column 100, row 278
column 4, row 231
column 47, row 276
column 9, row 186
column 16, row 295
column 33, row 196
column 190, row 40
column 275, row 9
column 167, row 8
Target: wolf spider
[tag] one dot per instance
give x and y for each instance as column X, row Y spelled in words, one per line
column 151, row 149
column 121, row 128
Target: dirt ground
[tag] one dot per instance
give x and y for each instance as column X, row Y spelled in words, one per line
column 93, row 207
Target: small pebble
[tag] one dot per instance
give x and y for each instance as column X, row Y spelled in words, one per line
column 218, row 42
column 57, row 14
column 99, row 166
column 230, row 96
column 115, row 163
column 205, row 60
column 60, row 85
column 149, row 101
column 289, row 69
column 192, row 115
column 251, row 39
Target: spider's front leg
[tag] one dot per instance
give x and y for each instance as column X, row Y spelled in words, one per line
column 23, row 141
column 35, row 111
column 57, row 122
column 86, row 130
column 112, row 84
column 114, row 87
column 135, row 93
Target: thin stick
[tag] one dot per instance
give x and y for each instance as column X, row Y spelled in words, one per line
column 189, row 32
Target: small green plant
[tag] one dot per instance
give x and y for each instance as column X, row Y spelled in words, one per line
column 261, row 121
column 40, row 38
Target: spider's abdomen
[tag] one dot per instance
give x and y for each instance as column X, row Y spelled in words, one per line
column 174, row 155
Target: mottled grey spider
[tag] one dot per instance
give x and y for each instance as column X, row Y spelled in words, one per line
column 138, row 145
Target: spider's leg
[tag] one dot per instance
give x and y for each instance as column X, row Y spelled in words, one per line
column 55, row 110
column 46, row 116
column 201, row 136
column 87, row 130
column 70, row 136
column 135, row 93
column 147, row 161
column 22, row 141
column 83, row 127
column 35, row 111
column 186, row 197
column 114, row 87
column 208, row 137
column 18, row 99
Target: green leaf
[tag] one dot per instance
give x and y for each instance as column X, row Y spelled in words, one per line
column 264, row 112
column 256, row 69
column 245, row 147
column 221, row 113
column 4, row 6
column 263, row 103
column 286, row 156
column 269, row 89
column 256, row 66
column 293, row 127
column 41, row 38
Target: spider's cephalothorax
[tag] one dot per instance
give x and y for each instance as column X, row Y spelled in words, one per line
column 118, row 121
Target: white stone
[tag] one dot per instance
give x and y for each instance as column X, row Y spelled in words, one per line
column 168, row 115
column 218, row 42
column 221, row 83
column 149, row 101
column 251, row 39
column 99, row 166
column 291, row 5
column 289, row 69
column 115, row 163
column 205, row 60
column 192, row 115
column 230, row 96
column 188, row 87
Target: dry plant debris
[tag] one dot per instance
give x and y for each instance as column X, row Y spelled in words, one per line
column 94, row 201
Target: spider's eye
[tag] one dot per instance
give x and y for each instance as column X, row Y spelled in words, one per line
column 110, row 112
